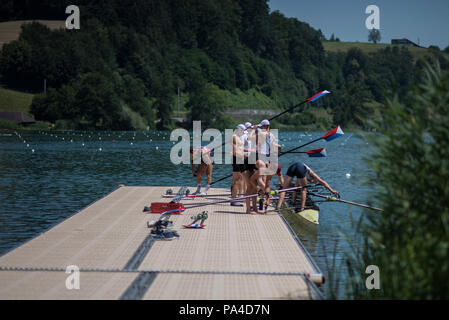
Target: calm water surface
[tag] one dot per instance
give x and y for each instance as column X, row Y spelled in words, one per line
column 46, row 177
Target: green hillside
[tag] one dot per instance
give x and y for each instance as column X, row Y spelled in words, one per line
column 11, row 100
column 10, row 30
column 335, row 46
column 123, row 68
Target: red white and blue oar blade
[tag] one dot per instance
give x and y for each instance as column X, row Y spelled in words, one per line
column 318, row 95
column 317, row 153
column 333, row 134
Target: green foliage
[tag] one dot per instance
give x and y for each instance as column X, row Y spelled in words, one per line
column 11, row 100
column 409, row 240
column 5, row 124
column 207, row 104
column 374, row 36
column 141, row 51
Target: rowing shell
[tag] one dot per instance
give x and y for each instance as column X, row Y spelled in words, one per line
column 311, row 216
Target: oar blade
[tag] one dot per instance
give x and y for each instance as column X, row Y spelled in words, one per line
column 318, row 95
column 333, row 134
column 317, row 153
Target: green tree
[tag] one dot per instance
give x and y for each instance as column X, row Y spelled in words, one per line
column 163, row 87
column 207, row 105
column 16, row 65
column 374, row 36
column 409, row 240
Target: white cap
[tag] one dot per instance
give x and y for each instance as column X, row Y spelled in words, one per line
column 264, row 122
column 241, row 127
column 248, row 125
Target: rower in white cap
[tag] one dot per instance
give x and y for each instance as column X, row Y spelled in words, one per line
column 238, row 163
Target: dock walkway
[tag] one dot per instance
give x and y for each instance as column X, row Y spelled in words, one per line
column 237, row 256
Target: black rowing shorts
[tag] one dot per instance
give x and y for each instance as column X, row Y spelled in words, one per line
column 237, row 167
column 297, row 170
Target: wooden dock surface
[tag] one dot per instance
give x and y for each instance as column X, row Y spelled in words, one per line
column 237, row 256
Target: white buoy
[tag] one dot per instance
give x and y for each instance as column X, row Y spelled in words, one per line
column 32, row 150
column 157, row 148
column 83, row 144
column 348, row 175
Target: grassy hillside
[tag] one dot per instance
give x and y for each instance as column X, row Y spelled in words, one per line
column 11, row 100
column 10, row 30
column 335, row 46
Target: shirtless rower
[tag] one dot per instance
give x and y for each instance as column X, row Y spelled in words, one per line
column 268, row 177
column 205, row 167
column 238, row 163
column 266, row 145
column 303, row 174
column 254, row 180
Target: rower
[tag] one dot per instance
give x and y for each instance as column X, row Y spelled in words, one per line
column 266, row 144
column 238, row 163
column 263, row 139
column 303, row 174
column 253, row 181
column 205, row 167
column 269, row 175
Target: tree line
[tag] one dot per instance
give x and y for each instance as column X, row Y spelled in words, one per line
column 122, row 68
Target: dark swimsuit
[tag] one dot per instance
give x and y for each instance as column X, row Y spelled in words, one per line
column 297, row 170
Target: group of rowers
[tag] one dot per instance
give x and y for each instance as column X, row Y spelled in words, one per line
column 252, row 175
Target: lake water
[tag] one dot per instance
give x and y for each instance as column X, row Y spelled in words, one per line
column 47, row 176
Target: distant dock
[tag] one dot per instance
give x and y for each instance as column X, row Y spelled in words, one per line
column 237, row 256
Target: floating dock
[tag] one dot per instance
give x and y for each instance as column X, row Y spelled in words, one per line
column 237, row 256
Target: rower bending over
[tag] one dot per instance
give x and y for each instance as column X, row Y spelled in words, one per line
column 268, row 177
column 303, row 174
column 205, row 167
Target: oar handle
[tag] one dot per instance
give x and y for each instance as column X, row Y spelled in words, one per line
column 221, row 179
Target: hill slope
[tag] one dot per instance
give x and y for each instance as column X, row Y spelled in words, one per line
column 10, row 30
column 336, row 46
column 11, row 100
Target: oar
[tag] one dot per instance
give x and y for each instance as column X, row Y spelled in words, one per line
column 331, row 135
column 317, row 153
column 229, row 200
column 311, row 99
column 331, row 198
column 311, row 153
column 193, row 196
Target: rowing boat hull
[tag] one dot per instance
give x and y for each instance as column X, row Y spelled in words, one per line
column 310, row 216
